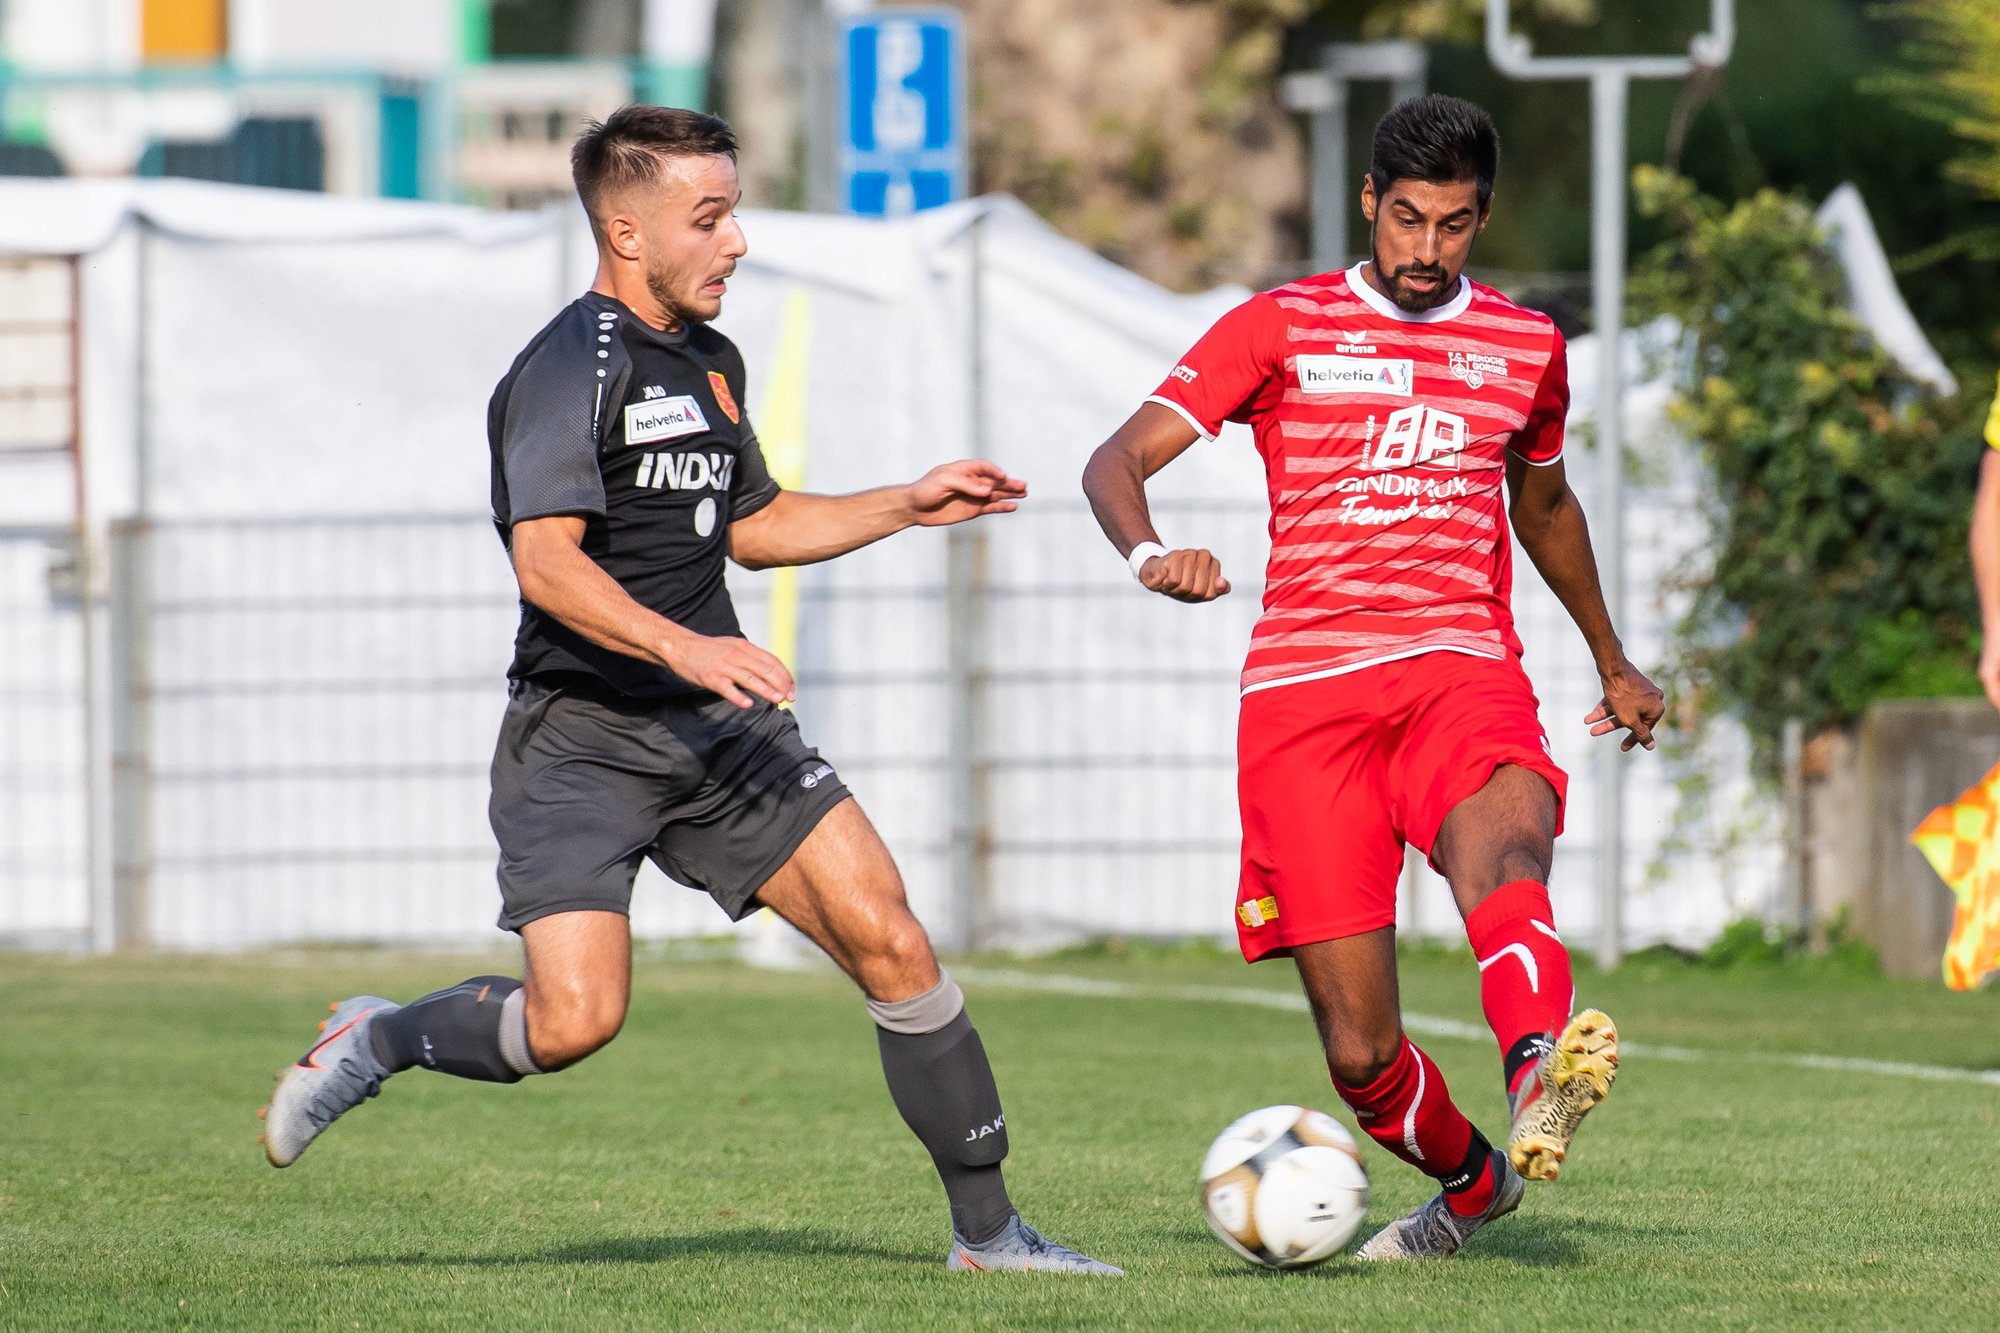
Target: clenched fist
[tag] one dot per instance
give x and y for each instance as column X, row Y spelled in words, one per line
column 1185, row 576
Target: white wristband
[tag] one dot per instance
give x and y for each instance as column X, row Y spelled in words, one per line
column 1141, row 553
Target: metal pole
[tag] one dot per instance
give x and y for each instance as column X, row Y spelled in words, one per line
column 103, row 905
column 1608, row 88
column 1793, row 916
column 131, row 736
column 1329, row 171
column 965, row 594
column 1610, row 80
column 1323, row 94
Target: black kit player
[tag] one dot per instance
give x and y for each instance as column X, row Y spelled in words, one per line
column 641, row 724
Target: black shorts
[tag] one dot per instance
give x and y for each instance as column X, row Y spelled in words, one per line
column 585, row 785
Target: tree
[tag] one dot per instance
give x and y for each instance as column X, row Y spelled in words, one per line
column 1836, row 573
column 1959, row 40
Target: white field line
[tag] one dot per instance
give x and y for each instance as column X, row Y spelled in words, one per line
column 1426, row 1025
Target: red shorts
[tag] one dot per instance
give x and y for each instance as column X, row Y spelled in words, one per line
column 1334, row 776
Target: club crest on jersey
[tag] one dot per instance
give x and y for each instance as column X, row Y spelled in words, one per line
column 1473, row 368
column 723, row 398
column 663, row 419
column 1357, row 374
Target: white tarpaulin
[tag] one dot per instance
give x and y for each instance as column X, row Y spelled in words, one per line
column 313, row 357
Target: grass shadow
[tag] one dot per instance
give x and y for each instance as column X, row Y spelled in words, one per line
column 744, row 1242
column 1560, row 1242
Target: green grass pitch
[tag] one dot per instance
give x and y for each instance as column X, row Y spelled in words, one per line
column 733, row 1161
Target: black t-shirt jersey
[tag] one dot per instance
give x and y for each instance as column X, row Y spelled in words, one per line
column 640, row 433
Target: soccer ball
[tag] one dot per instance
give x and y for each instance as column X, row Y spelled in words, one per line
column 1284, row 1187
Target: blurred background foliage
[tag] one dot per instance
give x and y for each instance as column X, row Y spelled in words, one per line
column 1838, row 571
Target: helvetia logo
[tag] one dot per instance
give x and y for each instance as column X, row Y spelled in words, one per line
column 664, row 419
column 1357, row 374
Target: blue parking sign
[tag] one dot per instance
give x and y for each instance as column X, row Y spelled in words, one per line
column 902, row 81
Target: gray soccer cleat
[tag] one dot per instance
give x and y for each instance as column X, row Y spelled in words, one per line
column 1022, row 1249
column 335, row 1076
column 1434, row 1231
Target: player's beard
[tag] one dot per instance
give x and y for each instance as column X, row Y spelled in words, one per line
column 679, row 293
column 1409, row 298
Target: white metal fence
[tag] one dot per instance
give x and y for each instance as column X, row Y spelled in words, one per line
column 301, row 711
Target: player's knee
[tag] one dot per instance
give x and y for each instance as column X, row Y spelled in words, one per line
column 898, row 956
column 1356, row 1060
column 564, row 1032
column 1527, row 857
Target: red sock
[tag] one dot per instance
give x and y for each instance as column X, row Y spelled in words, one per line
column 1524, row 977
column 1408, row 1110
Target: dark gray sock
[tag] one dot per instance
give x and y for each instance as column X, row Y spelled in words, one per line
column 944, row 1087
column 476, row 1029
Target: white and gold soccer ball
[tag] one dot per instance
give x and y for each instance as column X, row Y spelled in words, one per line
column 1284, row 1187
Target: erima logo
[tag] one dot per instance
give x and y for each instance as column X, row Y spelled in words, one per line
column 686, row 472
column 663, row 419
column 1356, row 374
column 817, row 776
column 1185, row 375
column 987, row 1131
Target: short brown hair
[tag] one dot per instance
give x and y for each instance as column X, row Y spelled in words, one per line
column 628, row 147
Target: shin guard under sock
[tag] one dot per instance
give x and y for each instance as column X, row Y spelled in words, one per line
column 943, row 1086
column 477, row 1029
column 1409, row 1112
column 1525, row 984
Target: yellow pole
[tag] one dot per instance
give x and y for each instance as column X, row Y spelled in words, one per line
column 781, row 429
column 781, row 426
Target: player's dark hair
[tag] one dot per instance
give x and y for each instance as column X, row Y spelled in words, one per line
column 629, row 146
column 1438, row 139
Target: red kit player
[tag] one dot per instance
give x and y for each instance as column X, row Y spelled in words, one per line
column 1383, row 698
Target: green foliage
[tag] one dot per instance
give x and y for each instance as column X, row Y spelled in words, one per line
column 1749, row 946
column 1744, row 943
column 1841, row 488
column 1464, row 20
column 1958, row 80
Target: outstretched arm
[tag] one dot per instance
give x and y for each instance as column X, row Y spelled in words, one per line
column 558, row 578
column 1549, row 522
column 800, row 529
column 1115, row 481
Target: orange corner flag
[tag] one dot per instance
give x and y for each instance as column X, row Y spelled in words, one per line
column 1962, row 843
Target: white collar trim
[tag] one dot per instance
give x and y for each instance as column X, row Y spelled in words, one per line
column 1382, row 305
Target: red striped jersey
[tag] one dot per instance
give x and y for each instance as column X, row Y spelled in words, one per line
column 1384, row 437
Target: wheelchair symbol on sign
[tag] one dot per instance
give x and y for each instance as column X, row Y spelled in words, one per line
column 900, row 111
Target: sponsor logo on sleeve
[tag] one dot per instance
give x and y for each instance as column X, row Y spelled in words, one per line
column 1357, row 374
column 1185, row 375
column 723, row 398
column 663, row 419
